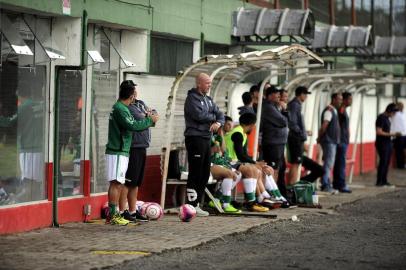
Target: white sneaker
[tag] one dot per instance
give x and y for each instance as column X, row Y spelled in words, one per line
column 200, row 212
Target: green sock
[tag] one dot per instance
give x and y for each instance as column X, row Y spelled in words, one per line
column 276, row 193
column 225, row 199
column 250, row 196
column 112, row 209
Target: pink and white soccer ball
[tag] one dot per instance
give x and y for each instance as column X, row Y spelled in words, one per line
column 139, row 205
column 187, row 212
column 143, row 208
column 152, row 211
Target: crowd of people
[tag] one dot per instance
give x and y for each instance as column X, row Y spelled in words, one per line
column 283, row 137
column 218, row 146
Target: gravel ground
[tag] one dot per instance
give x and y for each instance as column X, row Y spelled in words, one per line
column 367, row 234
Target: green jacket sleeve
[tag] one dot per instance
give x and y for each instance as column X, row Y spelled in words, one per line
column 127, row 121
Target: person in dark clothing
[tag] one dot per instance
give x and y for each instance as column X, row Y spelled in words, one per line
column 329, row 138
column 297, row 133
column 282, row 105
column 202, row 118
column 136, row 165
column 247, row 108
column 383, row 143
column 254, row 91
column 261, row 181
column 274, row 127
column 341, row 153
column 315, row 169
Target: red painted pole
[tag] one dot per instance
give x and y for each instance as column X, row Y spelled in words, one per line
column 305, row 4
column 331, row 11
column 276, row 4
column 353, row 13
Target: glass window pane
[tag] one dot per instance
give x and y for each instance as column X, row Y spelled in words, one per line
column 104, row 94
column 321, row 11
column 163, row 56
column 184, row 55
column 292, row 4
column 399, row 18
column 22, row 123
column 168, row 55
column 70, row 106
column 381, row 18
column 212, row 48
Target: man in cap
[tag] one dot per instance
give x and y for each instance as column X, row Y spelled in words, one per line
column 274, row 127
column 297, row 132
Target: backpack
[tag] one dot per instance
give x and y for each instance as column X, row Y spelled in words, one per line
column 301, row 193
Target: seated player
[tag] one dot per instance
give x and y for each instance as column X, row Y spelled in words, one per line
column 236, row 141
column 222, row 168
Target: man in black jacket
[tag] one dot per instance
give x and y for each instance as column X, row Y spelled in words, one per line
column 297, row 132
column 274, row 127
column 202, row 117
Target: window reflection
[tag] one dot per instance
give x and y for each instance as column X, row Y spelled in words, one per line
column 23, row 84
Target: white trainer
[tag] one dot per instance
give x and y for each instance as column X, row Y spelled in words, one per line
column 200, row 212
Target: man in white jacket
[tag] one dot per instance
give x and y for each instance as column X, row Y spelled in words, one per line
column 399, row 125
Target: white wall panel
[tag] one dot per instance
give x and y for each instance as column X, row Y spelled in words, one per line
column 235, row 99
column 154, row 91
column 369, row 117
column 66, row 36
column 134, row 46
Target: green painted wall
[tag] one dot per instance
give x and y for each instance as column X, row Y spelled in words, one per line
column 187, row 18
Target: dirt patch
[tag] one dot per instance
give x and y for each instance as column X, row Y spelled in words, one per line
column 368, row 234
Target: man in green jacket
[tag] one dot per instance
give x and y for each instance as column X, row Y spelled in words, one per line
column 121, row 126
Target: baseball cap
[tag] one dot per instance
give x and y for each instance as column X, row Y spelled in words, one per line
column 301, row 90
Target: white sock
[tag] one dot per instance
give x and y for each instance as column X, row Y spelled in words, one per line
column 239, row 176
column 260, row 198
column 226, row 186
column 253, row 184
column 265, row 194
column 248, row 187
column 270, row 183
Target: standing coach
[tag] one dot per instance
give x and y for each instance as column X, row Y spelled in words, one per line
column 202, row 117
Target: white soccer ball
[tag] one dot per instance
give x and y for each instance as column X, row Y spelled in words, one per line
column 187, row 212
column 153, row 211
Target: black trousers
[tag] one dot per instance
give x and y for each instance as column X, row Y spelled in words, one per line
column 384, row 150
column 281, row 178
column 316, row 170
column 274, row 156
column 198, row 150
column 399, row 144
